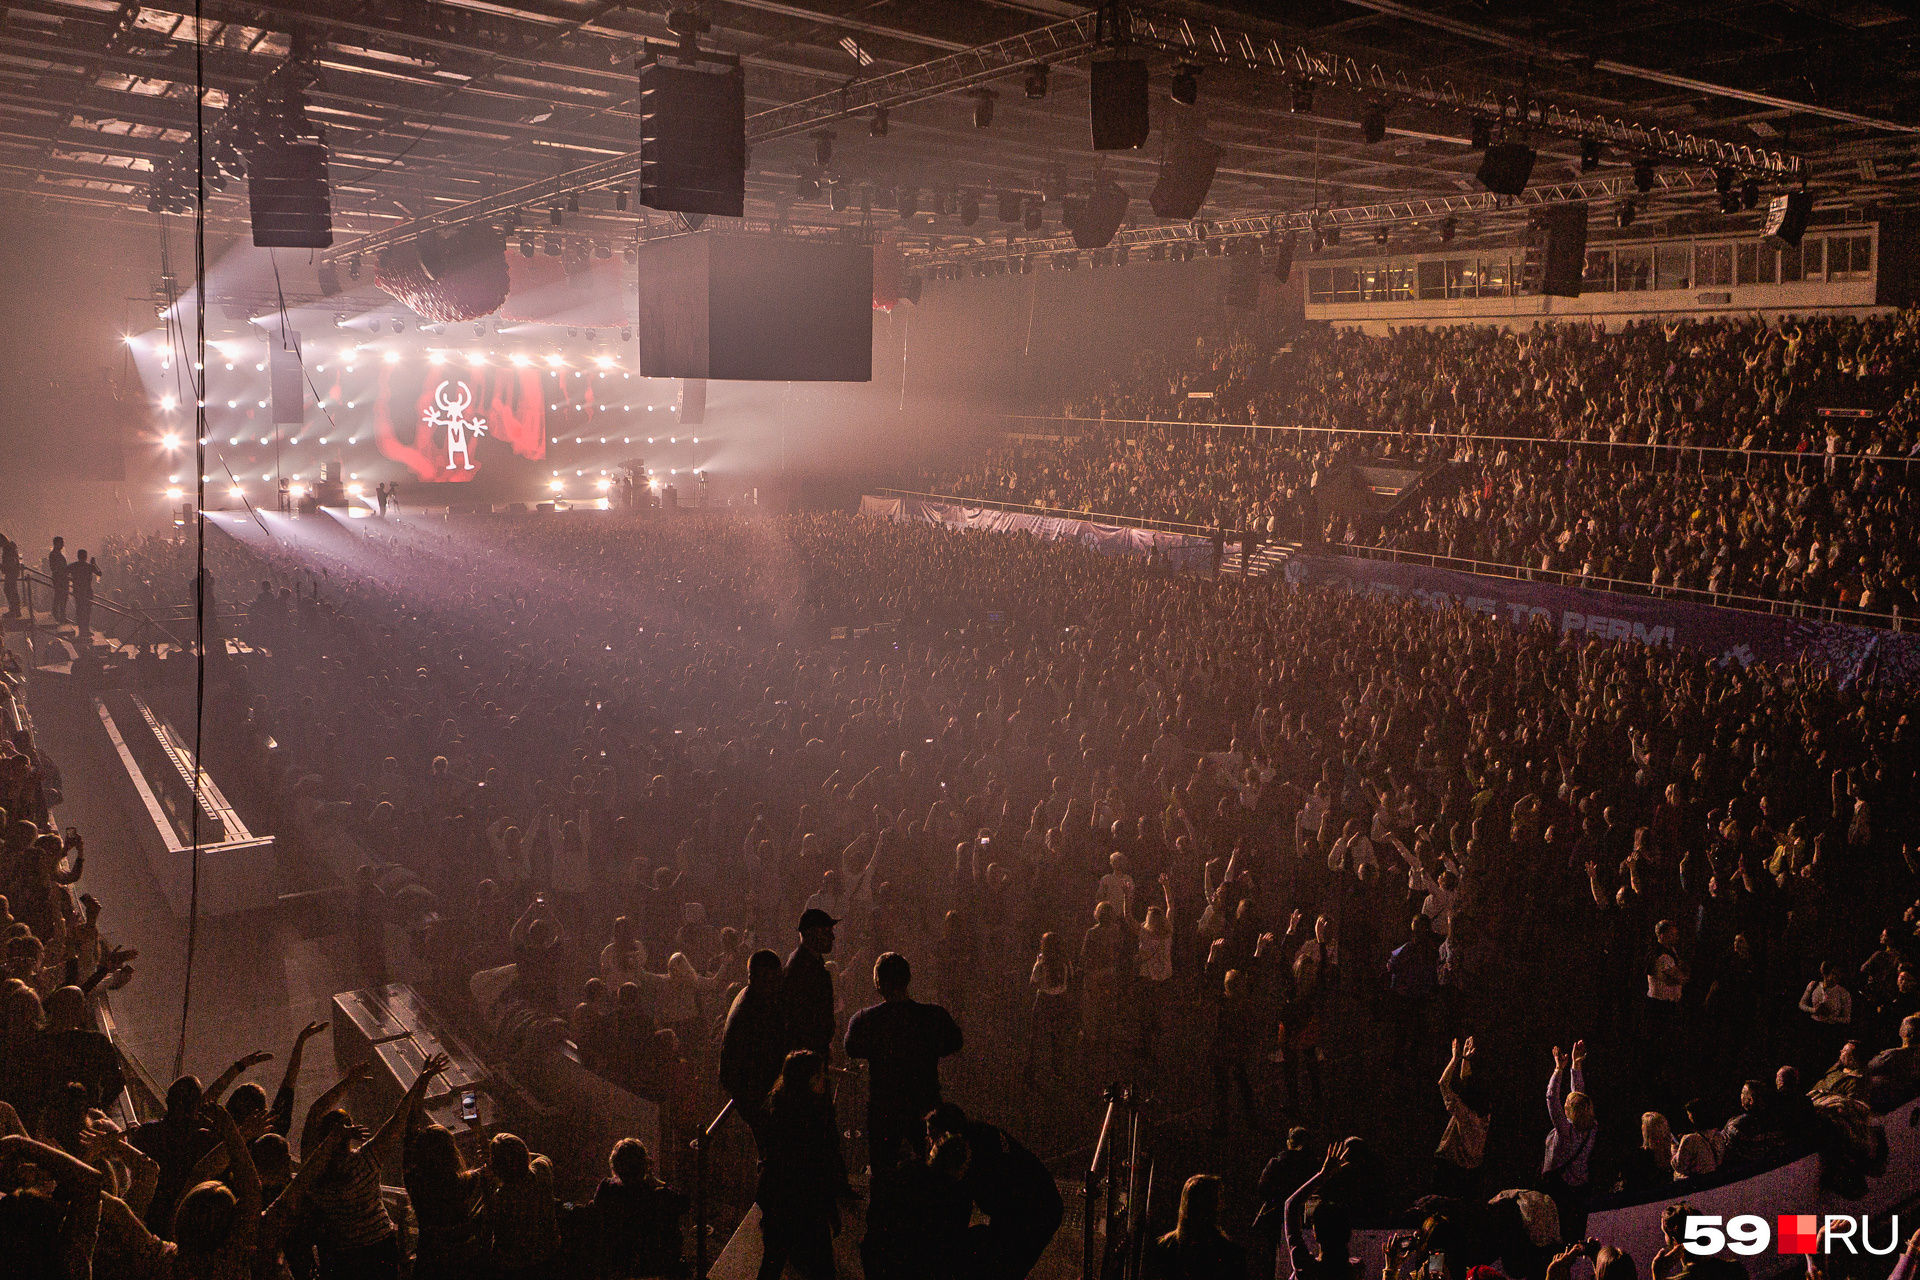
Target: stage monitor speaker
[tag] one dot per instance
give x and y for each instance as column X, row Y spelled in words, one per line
column 755, row 309
column 1118, row 108
column 1283, row 256
column 289, row 382
column 287, row 195
column 693, row 402
column 1186, row 174
column 693, row 137
column 1505, row 168
column 1556, row 255
column 1095, row 220
column 1243, row 282
column 1787, row 218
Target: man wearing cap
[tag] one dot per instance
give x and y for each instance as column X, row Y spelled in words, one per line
column 806, row 988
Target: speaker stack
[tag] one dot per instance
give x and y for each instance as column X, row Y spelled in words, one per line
column 1556, row 251
column 287, row 197
column 693, row 135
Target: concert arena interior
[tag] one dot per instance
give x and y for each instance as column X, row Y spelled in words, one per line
column 960, row 640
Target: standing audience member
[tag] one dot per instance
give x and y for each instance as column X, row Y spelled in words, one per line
column 902, row 1042
column 801, row 1172
column 1196, row 1248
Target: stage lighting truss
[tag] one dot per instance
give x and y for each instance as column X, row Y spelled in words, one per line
column 1186, row 238
column 967, row 72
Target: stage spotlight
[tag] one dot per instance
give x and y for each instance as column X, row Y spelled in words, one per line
column 551, row 248
column 399, row 326
column 1643, row 176
column 982, row 107
column 1624, row 215
column 1033, row 217
column 553, row 216
column 603, row 251
column 170, row 441
column 631, row 255
column 969, row 209
column 1589, row 155
column 806, row 188
column 1036, row 81
column 1373, row 123
column 1184, row 88
column 1480, row 133
column 353, row 267
column 1447, row 230
column 1749, row 193
column 823, row 146
column 1301, row 97
column 619, row 199
column 909, row 201
column 572, row 332
column 1380, row 235
column 573, row 202
column 391, row 357
column 479, row 328
column 837, row 197
column 626, row 335
column 1331, row 234
column 877, row 127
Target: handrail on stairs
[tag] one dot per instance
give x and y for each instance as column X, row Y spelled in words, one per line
column 700, row 1144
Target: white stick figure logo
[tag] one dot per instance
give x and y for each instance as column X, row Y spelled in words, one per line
column 450, row 411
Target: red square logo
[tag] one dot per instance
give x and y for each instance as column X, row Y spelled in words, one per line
column 1799, row 1233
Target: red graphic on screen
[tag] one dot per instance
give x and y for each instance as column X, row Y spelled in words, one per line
column 1799, row 1233
column 440, row 424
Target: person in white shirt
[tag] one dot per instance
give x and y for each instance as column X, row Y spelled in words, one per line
column 1117, row 885
column 1153, row 964
column 1353, row 849
column 1830, row 1005
column 625, row 958
column 1442, row 890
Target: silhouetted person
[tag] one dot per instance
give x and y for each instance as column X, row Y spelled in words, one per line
column 902, row 1041
column 1008, row 1184
column 80, row 578
column 800, row 1172
column 57, row 573
column 754, row 1043
column 1196, row 1249
column 10, row 571
column 806, row 988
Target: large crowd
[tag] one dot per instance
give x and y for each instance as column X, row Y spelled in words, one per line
column 1678, row 454
column 1285, row 857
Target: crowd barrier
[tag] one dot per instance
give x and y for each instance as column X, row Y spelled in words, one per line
column 1854, row 655
column 1182, row 550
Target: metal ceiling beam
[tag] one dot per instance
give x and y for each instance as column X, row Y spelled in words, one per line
column 1487, row 35
column 914, row 84
column 1206, row 42
column 1385, row 213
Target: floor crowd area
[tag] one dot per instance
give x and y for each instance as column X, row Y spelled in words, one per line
column 1324, row 875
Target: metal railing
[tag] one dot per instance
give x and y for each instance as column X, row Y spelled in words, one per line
column 700, row 1214
column 1893, row 620
column 1626, row 586
column 1658, row 449
column 1124, row 1123
column 142, row 620
column 1058, row 513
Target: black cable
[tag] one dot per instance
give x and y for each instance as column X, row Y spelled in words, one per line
column 199, row 514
